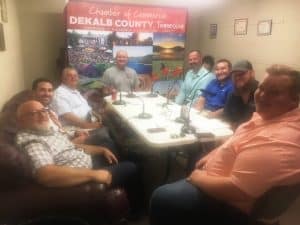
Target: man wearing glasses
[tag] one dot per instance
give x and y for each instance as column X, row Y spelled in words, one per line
column 57, row 162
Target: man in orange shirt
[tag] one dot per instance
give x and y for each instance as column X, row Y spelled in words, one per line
column 263, row 153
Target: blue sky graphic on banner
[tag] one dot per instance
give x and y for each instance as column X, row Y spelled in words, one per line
column 154, row 38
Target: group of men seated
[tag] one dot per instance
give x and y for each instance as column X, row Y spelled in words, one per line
column 63, row 138
column 228, row 93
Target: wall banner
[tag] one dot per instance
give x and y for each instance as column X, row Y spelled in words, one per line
column 153, row 36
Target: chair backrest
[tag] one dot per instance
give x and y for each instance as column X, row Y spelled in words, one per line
column 8, row 123
column 275, row 202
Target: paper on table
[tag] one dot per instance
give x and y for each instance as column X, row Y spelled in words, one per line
column 214, row 126
column 208, row 124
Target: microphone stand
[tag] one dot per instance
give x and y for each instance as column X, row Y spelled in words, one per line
column 120, row 101
column 152, row 94
column 181, row 119
column 187, row 128
column 144, row 115
column 130, row 93
column 168, row 93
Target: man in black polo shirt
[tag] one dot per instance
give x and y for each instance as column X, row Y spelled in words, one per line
column 240, row 104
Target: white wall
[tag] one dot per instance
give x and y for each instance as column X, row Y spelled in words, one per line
column 42, row 29
column 11, row 64
column 42, row 34
column 34, row 35
column 280, row 47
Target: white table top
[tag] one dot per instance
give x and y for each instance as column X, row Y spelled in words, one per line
column 164, row 117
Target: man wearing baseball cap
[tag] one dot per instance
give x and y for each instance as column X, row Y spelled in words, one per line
column 240, row 104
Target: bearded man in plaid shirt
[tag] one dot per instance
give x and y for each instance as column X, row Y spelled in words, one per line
column 57, row 162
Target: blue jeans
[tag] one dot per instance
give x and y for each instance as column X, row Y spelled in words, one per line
column 126, row 175
column 182, row 203
column 101, row 137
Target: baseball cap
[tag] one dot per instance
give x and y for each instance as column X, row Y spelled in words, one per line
column 242, row 66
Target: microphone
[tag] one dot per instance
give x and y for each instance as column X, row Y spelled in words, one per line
column 120, row 101
column 187, row 128
column 144, row 115
column 181, row 118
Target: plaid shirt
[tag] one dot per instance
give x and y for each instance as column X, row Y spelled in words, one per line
column 51, row 148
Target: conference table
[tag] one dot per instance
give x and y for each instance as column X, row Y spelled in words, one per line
column 162, row 130
column 161, row 133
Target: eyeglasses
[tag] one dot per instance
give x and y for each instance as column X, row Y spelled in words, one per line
column 36, row 113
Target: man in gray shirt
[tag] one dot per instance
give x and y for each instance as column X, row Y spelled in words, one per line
column 120, row 76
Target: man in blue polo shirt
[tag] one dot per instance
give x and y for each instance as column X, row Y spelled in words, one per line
column 196, row 78
column 214, row 96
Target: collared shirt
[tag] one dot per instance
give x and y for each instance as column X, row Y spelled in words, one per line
column 216, row 94
column 122, row 80
column 56, row 125
column 67, row 100
column 192, row 85
column 236, row 111
column 260, row 155
column 51, row 148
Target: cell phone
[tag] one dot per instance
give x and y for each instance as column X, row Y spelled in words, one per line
column 205, row 135
column 156, row 130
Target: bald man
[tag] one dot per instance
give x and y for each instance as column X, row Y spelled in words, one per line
column 73, row 110
column 120, row 76
column 57, row 162
column 196, row 80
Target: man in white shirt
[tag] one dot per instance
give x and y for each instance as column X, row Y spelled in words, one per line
column 73, row 110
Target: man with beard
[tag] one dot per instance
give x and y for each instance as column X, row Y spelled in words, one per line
column 240, row 104
column 57, row 162
column 263, row 153
column 196, row 78
column 217, row 91
column 43, row 92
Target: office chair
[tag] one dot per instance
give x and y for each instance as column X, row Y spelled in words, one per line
column 269, row 207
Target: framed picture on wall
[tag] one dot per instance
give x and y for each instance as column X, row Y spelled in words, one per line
column 3, row 10
column 264, row 27
column 2, row 40
column 213, row 30
column 240, row 26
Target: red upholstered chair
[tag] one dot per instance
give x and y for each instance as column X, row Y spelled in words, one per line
column 21, row 198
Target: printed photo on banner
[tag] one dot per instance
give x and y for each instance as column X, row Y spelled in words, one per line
column 153, row 36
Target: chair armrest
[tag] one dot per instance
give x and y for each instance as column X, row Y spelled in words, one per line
column 275, row 202
column 35, row 200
